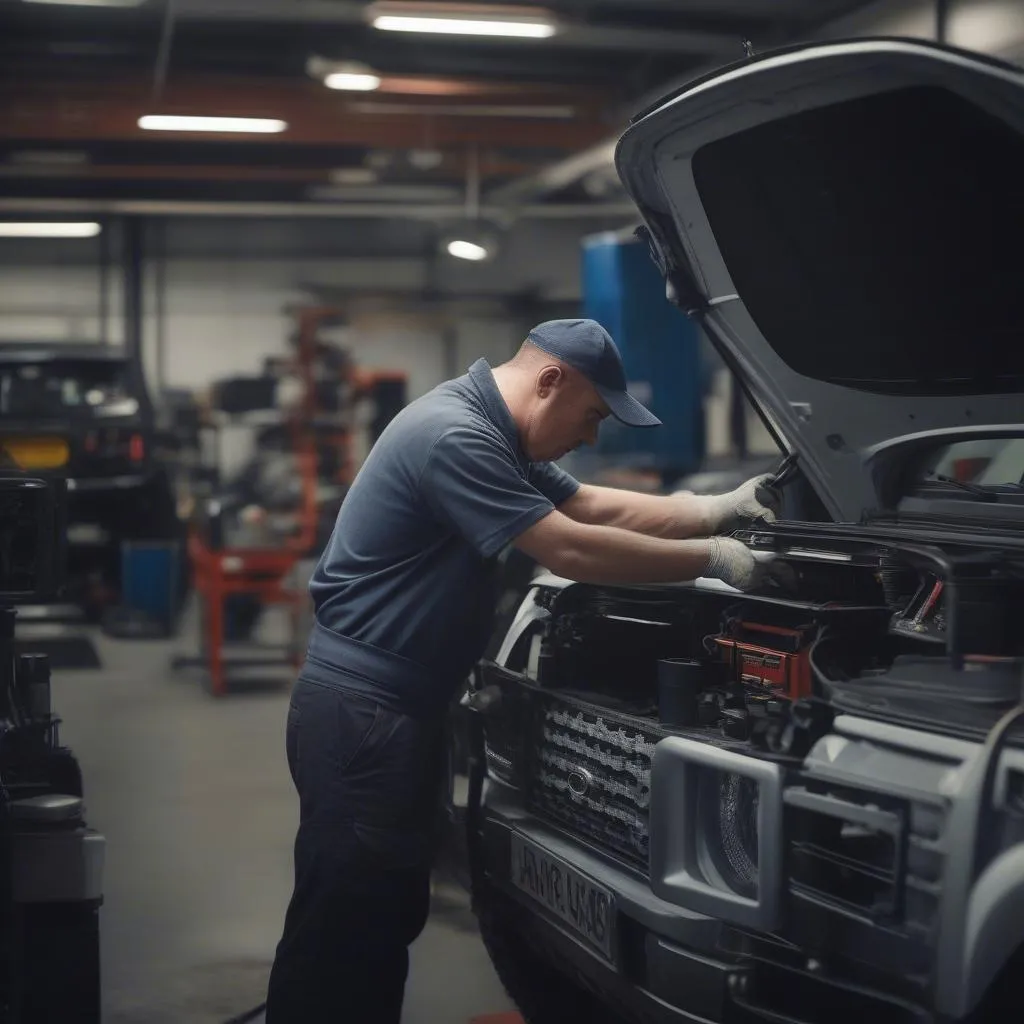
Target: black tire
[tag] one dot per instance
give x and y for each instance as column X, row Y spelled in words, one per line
column 543, row 994
column 1006, row 992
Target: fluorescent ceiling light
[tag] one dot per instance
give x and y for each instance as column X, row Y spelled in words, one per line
column 461, row 19
column 174, row 123
column 464, row 26
column 49, row 229
column 353, row 81
column 463, row 250
column 346, row 75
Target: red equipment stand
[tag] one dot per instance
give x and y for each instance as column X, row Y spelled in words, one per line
column 315, row 428
column 218, row 572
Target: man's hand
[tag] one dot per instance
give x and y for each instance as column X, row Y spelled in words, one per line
column 734, row 563
column 752, row 502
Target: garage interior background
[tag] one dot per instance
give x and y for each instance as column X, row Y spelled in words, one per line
column 351, row 205
column 238, row 231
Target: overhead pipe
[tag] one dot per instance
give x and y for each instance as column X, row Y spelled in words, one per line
column 384, row 211
column 601, row 156
column 160, row 307
column 163, row 56
column 104, row 285
column 555, row 176
column 131, row 261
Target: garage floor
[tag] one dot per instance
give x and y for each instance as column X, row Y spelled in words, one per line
column 194, row 798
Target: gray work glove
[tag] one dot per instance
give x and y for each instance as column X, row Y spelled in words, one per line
column 734, row 563
column 752, row 502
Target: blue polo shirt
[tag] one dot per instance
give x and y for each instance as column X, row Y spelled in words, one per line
column 406, row 589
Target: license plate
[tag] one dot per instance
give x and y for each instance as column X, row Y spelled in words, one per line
column 588, row 909
column 36, row 452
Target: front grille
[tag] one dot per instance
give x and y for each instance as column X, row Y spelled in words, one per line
column 847, row 851
column 591, row 771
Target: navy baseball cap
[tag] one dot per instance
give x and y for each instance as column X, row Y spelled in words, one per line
column 586, row 346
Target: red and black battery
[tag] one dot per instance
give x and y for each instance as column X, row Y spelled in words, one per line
column 773, row 658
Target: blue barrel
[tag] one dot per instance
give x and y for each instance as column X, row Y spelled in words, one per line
column 661, row 349
column 150, row 579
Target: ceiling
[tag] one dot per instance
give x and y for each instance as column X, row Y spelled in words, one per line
column 453, row 117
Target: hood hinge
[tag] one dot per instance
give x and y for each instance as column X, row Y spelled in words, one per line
column 681, row 289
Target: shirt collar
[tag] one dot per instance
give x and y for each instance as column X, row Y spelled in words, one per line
column 482, row 379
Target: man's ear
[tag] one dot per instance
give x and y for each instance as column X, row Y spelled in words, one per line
column 548, row 379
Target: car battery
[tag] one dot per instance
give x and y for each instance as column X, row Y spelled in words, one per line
column 775, row 659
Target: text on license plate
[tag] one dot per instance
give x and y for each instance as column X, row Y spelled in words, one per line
column 588, row 909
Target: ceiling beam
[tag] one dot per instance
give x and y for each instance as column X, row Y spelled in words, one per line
column 601, row 156
column 315, row 115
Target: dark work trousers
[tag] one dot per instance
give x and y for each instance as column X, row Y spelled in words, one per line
column 368, row 780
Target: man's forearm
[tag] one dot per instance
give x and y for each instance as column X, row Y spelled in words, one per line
column 655, row 515
column 608, row 554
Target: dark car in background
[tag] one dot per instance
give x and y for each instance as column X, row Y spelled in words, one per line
column 82, row 412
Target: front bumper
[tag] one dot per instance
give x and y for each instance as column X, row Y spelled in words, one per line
column 667, row 964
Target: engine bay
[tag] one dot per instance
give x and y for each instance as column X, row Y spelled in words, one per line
column 935, row 633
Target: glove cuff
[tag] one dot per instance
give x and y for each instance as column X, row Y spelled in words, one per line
column 714, row 568
column 713, row 512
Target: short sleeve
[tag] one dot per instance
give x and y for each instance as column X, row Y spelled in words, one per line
column 471, row 483
column 553, row 482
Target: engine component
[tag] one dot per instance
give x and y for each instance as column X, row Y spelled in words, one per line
column 924, row 614
column 736, row 723
column 709, row 710
column 792, row 729
column 771, row 658
column 602, row 645
column 899, row 581
column 679, row 685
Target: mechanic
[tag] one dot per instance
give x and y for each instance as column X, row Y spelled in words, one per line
column 404, row 595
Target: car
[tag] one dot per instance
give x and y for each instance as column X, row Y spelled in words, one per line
column 687, row 803
column 81, row 412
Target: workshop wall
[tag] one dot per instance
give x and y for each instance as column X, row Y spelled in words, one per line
column 994, row 27
column 53, row 303
column 226, row 311
column 218, row 305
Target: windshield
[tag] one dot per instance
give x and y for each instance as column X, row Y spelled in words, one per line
column 994, row 462
column 76, row 387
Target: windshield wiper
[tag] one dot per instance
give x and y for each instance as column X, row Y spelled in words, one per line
column 981, row 493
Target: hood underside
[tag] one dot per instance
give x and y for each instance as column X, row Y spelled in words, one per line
column 847, row 222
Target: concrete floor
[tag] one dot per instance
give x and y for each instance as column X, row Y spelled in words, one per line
column 194, row 798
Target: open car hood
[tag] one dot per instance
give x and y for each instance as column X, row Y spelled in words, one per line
column 847, row 222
